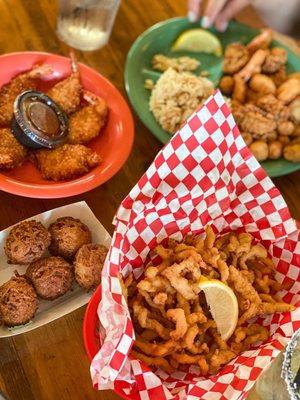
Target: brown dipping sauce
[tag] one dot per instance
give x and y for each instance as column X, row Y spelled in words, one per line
column 38, row 121
column 43, row 118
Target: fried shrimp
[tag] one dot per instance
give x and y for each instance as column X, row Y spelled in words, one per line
column 12, row 153
column 261, row 41
column 66, row 162
column 86, row 124
column 66, row 93
column 254, row 65
column 25, row 81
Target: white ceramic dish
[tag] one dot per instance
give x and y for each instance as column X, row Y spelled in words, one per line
column 49, row 311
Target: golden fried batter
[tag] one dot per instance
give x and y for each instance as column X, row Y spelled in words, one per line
column 67, row 236
column 261, row 41
column 272, row 105
column 235, row 57
column 66, row 162
column 87, row 123
column 88, row 265
column 66, row 93
column 226, row 85
column 276, row 59
column 25, row 81
column 260, row 124
column 26, row 242
column 12, row 153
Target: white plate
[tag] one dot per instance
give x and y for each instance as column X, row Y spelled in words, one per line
column 48, row 311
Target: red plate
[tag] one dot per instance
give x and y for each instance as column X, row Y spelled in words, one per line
column 113, row 144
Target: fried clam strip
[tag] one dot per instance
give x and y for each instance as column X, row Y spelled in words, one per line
column 153, row 361
column 255, row 333
column 256, row 251
column 157, row 349
column 188, row 289
column 183, row 251
column 183, row 358
column 271, row 308
column 223, row 269
column 219, row 358
column 178, row 317
column 246, row 290
column 142, row 315
column 125, row 283
column 189, row 341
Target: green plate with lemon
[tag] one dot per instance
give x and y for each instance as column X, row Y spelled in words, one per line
column 168, row 38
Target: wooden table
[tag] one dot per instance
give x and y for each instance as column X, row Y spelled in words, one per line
column 50, row 363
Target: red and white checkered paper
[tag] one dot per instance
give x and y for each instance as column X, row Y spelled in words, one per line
column 204, row 175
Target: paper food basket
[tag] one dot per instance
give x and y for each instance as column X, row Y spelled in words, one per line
column 204, row 175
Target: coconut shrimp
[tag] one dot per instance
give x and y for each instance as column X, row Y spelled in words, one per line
column 67, row 92
column 25, row 81
column 87, row 123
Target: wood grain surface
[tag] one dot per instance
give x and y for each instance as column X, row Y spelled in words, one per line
column 50, row 363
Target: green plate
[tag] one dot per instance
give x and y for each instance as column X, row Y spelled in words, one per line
column 159, row 39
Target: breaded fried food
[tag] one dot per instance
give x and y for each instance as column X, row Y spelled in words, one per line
column 88, row 265
column 66, row 162
column 25, row 81
column 51, row 277
column 18, row 302
column 68, row 235
column 236, row 57
column 12, row 153
column 66, row 93
column 26, row 242
column 86, row 124
column 173, row 320
column 261, row 41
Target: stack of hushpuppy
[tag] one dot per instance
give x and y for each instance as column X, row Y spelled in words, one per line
column 72, row 254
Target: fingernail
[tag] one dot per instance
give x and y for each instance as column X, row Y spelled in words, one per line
column 206, row 23
column 223, row 26
column 192, row 17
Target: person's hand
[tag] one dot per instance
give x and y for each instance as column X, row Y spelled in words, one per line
column 217, row 12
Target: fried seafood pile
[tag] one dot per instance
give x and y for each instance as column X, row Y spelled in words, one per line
column 172, row 320
column 47, row 277
column 265, row 99
column 87, row 115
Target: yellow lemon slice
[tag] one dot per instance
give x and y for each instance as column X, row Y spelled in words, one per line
column 198, row 40
column 223, row 305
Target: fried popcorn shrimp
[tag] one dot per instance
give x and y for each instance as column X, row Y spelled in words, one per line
column 66, row 93
column 246, row 290
column 261, row 41
column 66, row 162
column 291, row 152
column 262, row 84
column 279, row 77
column 175, row 274
column 25, row 81
column 254, row 65
column 289, row 90
column 239, row 90
column 235, row 57
column 12, row 153
column 153, row 361
column 177, row 316
column 226, row 85
column 260, row 150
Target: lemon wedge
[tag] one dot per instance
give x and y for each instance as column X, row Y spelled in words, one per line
column 198, row 40
column 223, row 305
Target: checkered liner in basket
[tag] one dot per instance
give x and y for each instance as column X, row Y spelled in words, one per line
column 204, row 175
